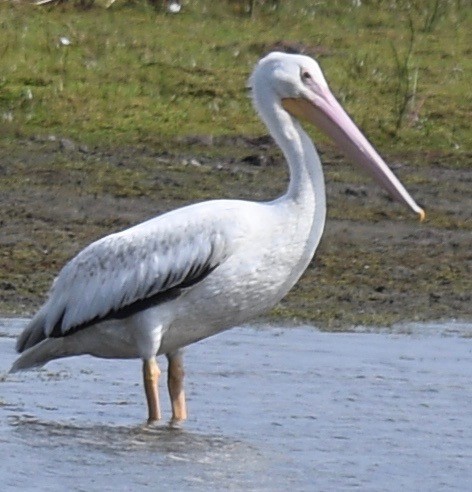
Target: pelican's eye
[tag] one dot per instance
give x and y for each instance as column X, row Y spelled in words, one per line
column 305, row 75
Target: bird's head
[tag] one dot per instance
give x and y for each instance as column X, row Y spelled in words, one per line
column 288, row 75
column 296, row 85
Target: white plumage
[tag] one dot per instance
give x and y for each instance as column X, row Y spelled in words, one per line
column 193, row 272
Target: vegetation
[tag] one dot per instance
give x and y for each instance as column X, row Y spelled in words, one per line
column 111, row 115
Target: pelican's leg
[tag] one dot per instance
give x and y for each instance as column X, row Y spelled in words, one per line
column 151, row 374
column 175, row 384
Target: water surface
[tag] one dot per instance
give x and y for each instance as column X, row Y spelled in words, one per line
column 270, row 409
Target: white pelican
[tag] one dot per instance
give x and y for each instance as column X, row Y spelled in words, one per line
column 196, row 271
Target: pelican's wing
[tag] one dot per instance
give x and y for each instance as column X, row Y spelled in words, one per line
column 120, row 270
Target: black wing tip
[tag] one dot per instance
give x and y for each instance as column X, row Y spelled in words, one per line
column 31, row 336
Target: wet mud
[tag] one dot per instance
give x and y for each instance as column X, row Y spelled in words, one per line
column 376, row 264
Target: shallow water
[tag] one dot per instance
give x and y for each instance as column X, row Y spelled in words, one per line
column 270, row 409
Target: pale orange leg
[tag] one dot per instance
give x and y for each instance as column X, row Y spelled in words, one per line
column 151, row 374
column 175, row 384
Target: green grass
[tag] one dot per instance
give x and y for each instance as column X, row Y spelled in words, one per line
column 133, row 74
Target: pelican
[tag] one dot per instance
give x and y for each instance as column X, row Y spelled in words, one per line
column 193, row 272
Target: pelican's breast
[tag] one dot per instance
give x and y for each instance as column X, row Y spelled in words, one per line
column 270, row 254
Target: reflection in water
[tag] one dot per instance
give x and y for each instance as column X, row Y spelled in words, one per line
column 113, row 455
column 117, row 439
column 270, row 409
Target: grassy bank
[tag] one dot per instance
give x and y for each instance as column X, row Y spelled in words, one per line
column 133, row 74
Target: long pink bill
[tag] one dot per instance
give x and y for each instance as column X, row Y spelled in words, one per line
column 327, row 114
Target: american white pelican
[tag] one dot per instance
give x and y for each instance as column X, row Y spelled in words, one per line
column 196, row 271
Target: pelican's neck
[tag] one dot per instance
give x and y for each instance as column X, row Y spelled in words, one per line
column 306, row 174
column 306, row 190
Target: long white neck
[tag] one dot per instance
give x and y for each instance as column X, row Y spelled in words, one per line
column 306, row 189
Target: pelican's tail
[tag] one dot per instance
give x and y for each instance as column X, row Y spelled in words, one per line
column 33, row 333
column 35, row 348
column 40, row 354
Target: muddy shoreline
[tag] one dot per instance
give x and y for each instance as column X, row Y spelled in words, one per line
column 376, row 265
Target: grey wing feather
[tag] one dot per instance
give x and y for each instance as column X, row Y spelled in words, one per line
column 119, row 270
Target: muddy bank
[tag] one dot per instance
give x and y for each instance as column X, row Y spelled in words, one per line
column 376, row 263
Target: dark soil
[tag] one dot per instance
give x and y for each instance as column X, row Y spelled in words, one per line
column 376, row 265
